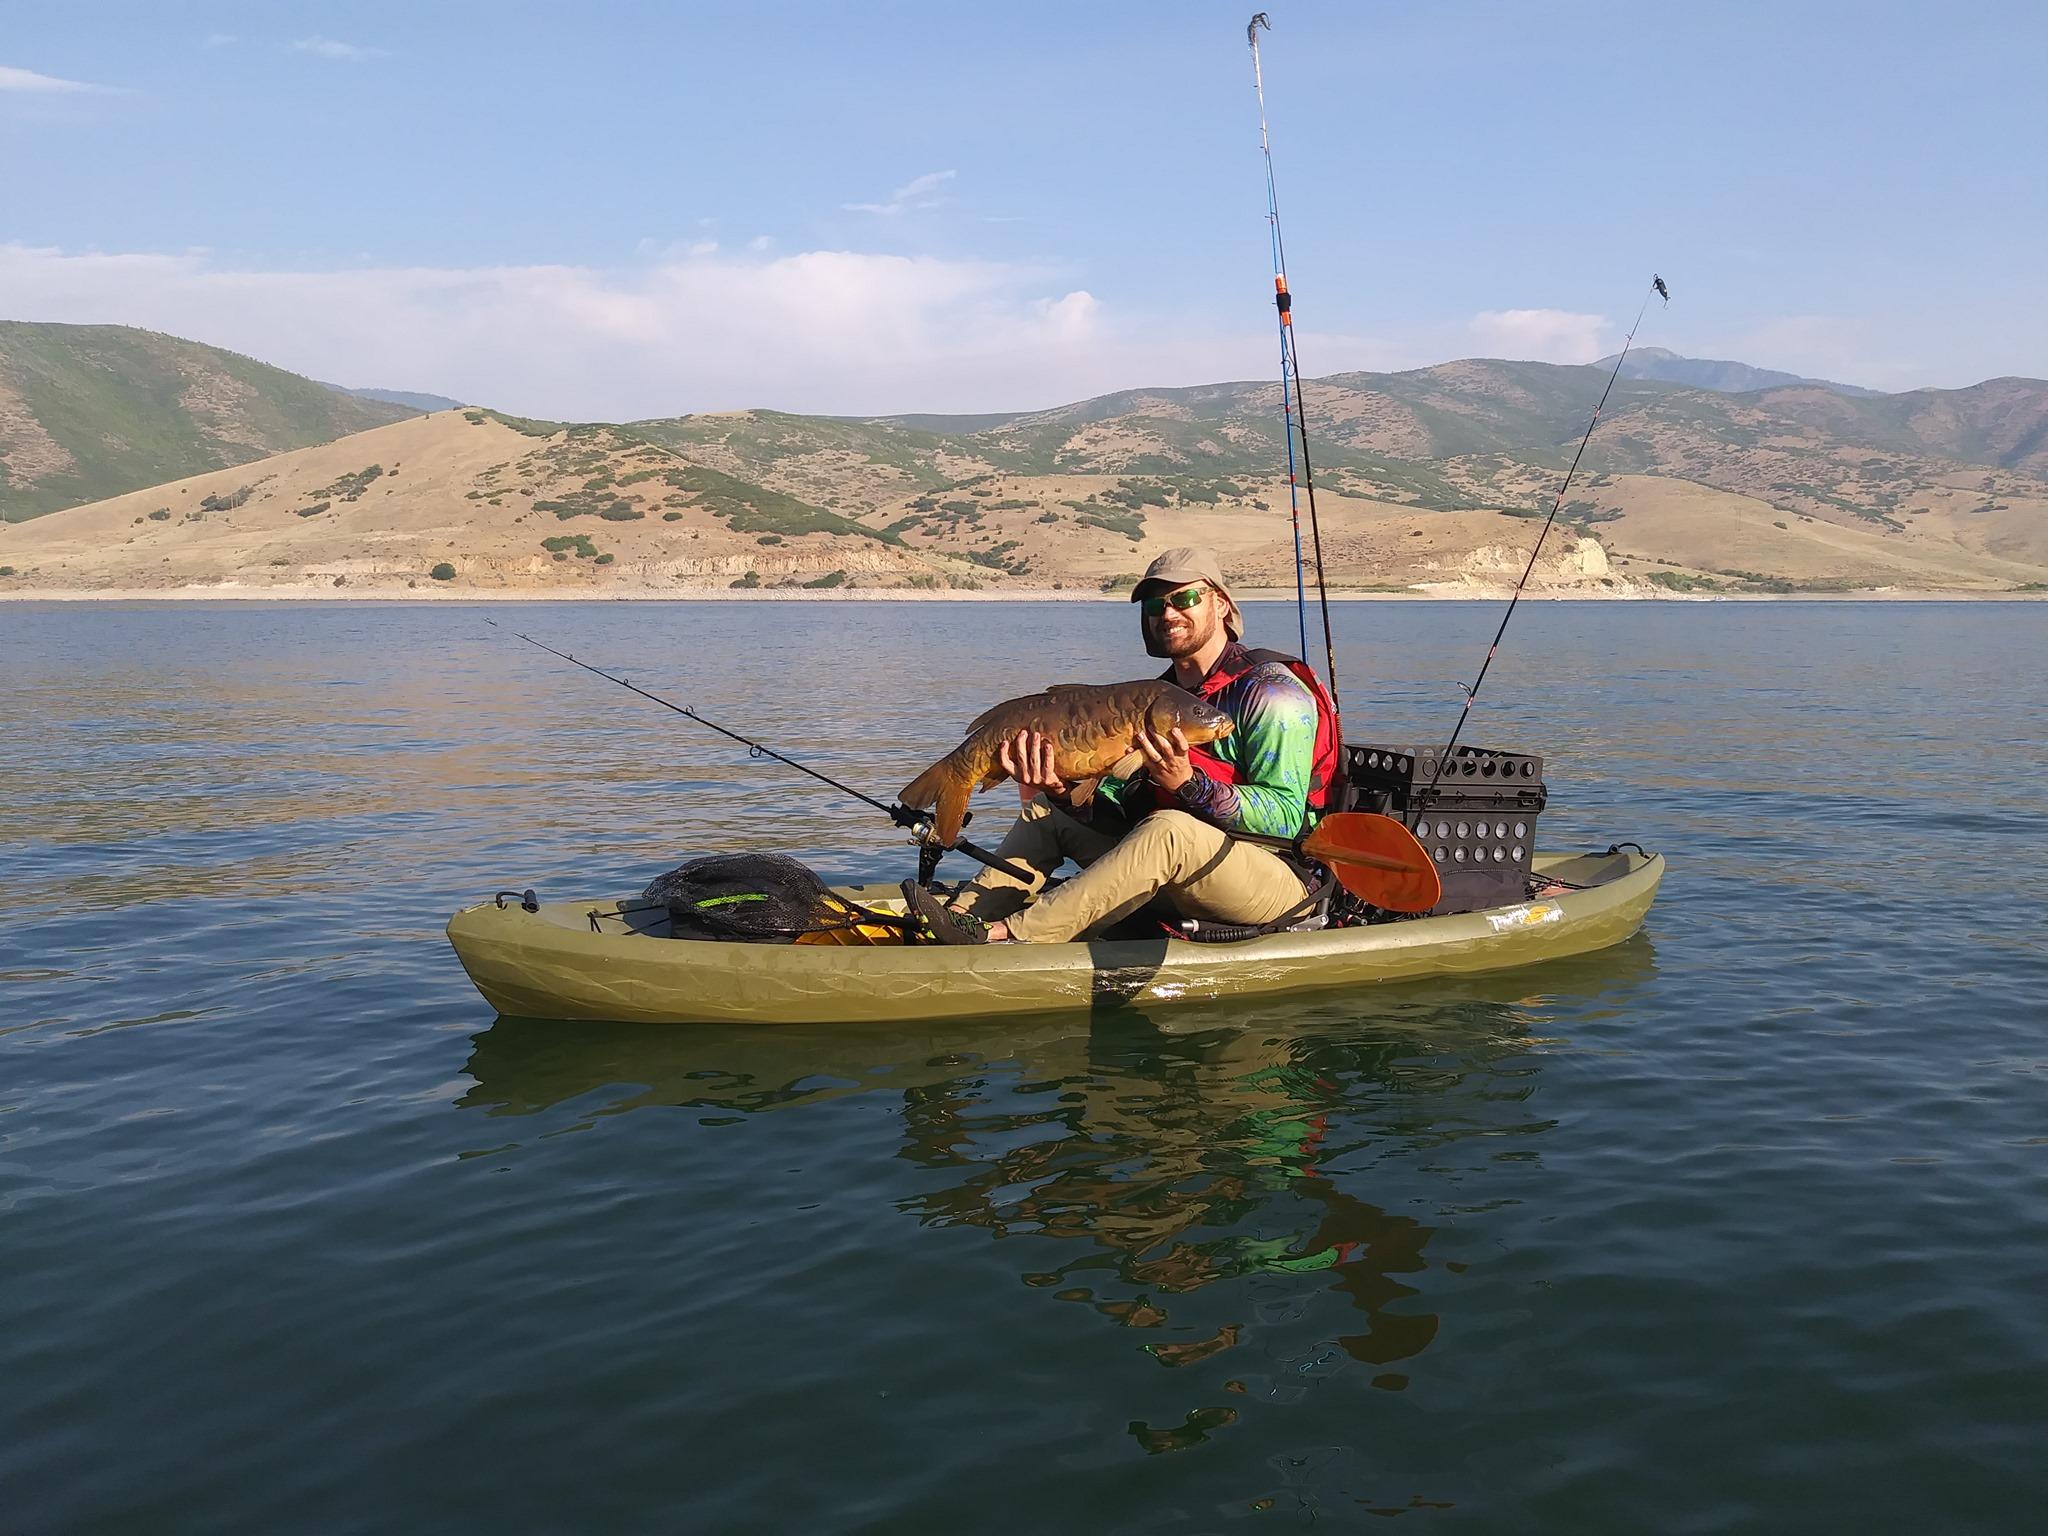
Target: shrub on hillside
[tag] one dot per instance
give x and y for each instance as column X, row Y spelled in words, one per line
column 350, row 487
column 443, row 572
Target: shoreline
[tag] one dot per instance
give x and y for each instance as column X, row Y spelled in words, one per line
column 308, row 593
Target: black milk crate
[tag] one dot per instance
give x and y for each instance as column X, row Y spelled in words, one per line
column 1478, row 819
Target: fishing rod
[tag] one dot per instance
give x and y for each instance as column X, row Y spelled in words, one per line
column 917, row 822
column 1294, row 410
column 1443, row 761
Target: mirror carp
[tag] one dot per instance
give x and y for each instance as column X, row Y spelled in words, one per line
column 1093, row 729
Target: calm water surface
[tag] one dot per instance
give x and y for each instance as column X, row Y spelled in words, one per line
column 1741, row 1226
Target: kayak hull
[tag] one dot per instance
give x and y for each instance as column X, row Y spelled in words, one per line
column 550, row 964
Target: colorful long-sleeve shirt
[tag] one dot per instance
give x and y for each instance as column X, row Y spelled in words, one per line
column 1272, row 748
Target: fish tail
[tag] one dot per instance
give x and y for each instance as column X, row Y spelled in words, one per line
column 946, row 784
column 952, row 812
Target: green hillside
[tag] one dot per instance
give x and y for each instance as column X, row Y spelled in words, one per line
column 90, row 411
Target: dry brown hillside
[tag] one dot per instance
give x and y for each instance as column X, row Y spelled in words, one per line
column 592, row 510
column 1433, row 481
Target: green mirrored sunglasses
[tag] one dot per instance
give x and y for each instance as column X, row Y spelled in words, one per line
column 1184, row 599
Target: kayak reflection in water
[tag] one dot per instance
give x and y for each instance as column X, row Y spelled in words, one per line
column 1162, row 832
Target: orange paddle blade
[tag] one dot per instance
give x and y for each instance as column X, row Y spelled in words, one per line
column 1376, row 859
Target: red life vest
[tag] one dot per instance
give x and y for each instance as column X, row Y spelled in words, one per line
column 1324, row 776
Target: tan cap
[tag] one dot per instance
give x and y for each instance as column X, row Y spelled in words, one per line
column 1178, row 567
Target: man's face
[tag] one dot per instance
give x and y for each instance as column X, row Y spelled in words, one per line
column 1177, row 631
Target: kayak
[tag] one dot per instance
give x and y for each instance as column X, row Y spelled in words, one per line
column 593, row 960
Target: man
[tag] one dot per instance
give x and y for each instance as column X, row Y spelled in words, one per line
column 1166, row 832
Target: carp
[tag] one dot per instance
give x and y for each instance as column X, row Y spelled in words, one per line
column 1093, row 730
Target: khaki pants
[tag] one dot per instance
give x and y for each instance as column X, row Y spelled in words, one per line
column 1201, row 872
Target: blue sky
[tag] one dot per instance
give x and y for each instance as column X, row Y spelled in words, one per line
column 619, row 210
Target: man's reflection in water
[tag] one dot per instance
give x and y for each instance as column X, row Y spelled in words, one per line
column 1174, row 1170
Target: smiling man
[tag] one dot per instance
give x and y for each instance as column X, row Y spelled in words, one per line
column 1166, row 831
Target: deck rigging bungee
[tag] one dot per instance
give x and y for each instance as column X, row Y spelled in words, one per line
column 1443, row 760
column 917, row 823
column 1292, row 407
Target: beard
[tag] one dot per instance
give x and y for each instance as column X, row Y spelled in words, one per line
column 1172, row 646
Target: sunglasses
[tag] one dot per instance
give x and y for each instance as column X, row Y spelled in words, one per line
column 1184, row 599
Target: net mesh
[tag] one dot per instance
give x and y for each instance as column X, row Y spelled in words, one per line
column 750, row 898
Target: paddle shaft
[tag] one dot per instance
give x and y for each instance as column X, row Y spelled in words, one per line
column 1400, row 879
column 1308, row 845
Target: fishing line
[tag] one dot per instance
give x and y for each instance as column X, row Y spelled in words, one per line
column 1443, row 761
column 754, row 748
column 1292, row 407
column 915, row 821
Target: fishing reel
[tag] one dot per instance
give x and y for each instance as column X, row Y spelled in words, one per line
column 930, row 850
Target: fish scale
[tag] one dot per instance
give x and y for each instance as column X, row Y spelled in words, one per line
column 1092, row 727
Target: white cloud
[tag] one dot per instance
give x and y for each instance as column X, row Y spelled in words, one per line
column 27, row 82
column 1539, row 335
column 328, row 48
column 689, row 327
column 917, row 193
column 1073, row 315
column 221, row 40
column 842, row 332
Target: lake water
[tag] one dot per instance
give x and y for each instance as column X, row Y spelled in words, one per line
column 1740, row 1226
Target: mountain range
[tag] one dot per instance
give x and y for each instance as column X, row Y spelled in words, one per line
column 1426, row 480
column 1720, row 376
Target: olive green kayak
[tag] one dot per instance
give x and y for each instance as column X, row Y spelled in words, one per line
column 584, row 960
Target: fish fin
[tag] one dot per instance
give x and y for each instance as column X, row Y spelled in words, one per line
column 996, row 775
column 1043, row 696
column 1081, row 791
column 1125, row 766
column 987, row 715
column 996, row 709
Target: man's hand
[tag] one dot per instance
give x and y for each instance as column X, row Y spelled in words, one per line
column 1028, row 758
column 1166, row 758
